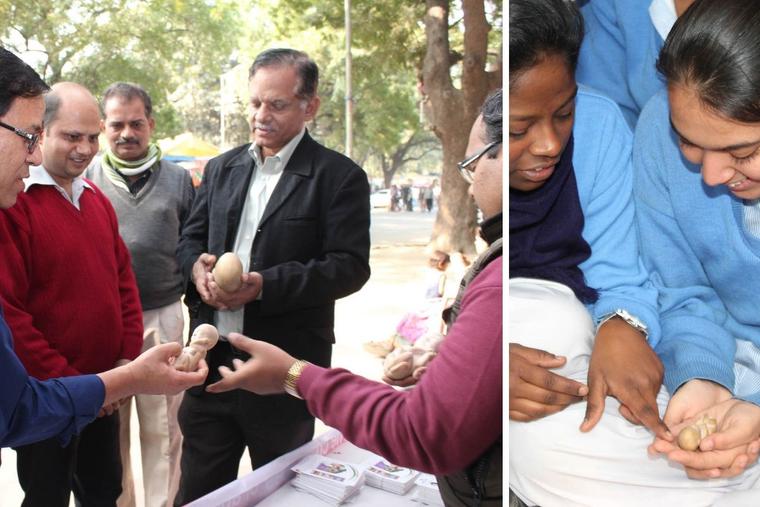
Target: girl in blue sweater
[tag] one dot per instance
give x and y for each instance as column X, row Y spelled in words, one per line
column 582, row 318
column 619, row 51
column 697, row 185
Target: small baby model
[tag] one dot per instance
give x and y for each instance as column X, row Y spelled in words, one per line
column 690, row 437
column 204, row 338
column 411, row 361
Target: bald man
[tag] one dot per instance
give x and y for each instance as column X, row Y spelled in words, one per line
column 70, row 297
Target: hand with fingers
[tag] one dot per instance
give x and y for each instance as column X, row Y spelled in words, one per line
column 263, row 373
column 249, row 290
column 109, row 408
column 534, row 391
column 201, row 269
column 733, row 447
column 692, row 398
column 624, row 366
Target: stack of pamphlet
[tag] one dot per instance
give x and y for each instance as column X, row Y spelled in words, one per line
column 427, row 490
column 332, row 480
column 385, row 475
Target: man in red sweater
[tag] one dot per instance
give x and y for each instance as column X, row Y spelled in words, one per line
column 70, row 297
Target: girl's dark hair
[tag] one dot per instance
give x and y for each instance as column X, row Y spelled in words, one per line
column 714, row 49
column 538, row 28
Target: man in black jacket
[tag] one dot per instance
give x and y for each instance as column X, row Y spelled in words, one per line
column 297, row 215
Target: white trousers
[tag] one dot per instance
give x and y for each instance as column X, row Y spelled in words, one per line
column 551, row 463
column 160, row 436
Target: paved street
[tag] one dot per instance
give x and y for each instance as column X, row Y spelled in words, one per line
column 397, row 260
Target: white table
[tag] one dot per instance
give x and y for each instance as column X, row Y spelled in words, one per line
column 269, row 486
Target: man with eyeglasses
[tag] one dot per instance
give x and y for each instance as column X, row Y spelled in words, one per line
column 297, row 215
column 30, row 409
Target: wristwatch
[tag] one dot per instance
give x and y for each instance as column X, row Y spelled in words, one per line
column 291, row 378
column 628, row 318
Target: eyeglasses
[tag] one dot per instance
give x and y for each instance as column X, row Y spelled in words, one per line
column 465, row 166
column 31, row 139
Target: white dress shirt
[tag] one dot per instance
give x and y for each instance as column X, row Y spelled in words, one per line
column 39, row 176
column 263, row 182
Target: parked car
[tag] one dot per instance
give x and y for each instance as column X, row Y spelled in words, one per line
column 381, row 198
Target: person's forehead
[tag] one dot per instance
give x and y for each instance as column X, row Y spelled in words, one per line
column 280, row 81
column 121, row 109
column 26, row 113
column 83, row 122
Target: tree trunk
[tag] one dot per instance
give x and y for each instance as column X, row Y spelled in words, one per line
column 451, row 112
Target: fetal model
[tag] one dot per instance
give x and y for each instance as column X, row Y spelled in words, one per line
column 411, row 361
column 690, row 437
column 227, row 272
column 204, row 338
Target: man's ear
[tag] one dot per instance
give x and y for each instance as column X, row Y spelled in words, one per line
column 312, row 106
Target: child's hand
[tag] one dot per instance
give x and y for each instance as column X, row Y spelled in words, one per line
column 534, row 391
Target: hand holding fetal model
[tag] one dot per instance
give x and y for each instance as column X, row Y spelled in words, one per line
column 690, row 436
column 727, row 451
column 204, row 338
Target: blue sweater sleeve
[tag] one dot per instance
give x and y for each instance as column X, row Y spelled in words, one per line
column 32, row 410
column 601, row 62
column 695, row 343
column 618, row 53
column 602, row 162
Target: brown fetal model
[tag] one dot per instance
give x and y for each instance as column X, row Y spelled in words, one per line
column 204, row 338
column 411, row 361
column 690, row 437
column 227, row 272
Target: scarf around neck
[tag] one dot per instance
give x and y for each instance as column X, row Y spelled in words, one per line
column 545, row 227
column 491, row 228
column 132, row 167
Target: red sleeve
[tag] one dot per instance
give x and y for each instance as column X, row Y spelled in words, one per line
column 454, row 413
column 131, row 309
column 33, row 349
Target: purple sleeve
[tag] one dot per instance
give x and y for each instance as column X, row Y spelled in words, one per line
column 453, row 414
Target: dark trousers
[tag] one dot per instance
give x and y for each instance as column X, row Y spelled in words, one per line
column 216, row 432
column 90, row 466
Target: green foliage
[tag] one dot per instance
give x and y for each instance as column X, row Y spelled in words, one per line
column 177, row 49
column 95, row 42
column 387, row 48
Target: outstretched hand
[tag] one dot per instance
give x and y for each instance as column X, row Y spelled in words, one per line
column 263, row 373
column 155, row 374
column 151, row 373
column 624, row 366
column 534, row 391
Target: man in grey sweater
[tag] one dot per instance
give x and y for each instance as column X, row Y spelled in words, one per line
column 152, row 198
